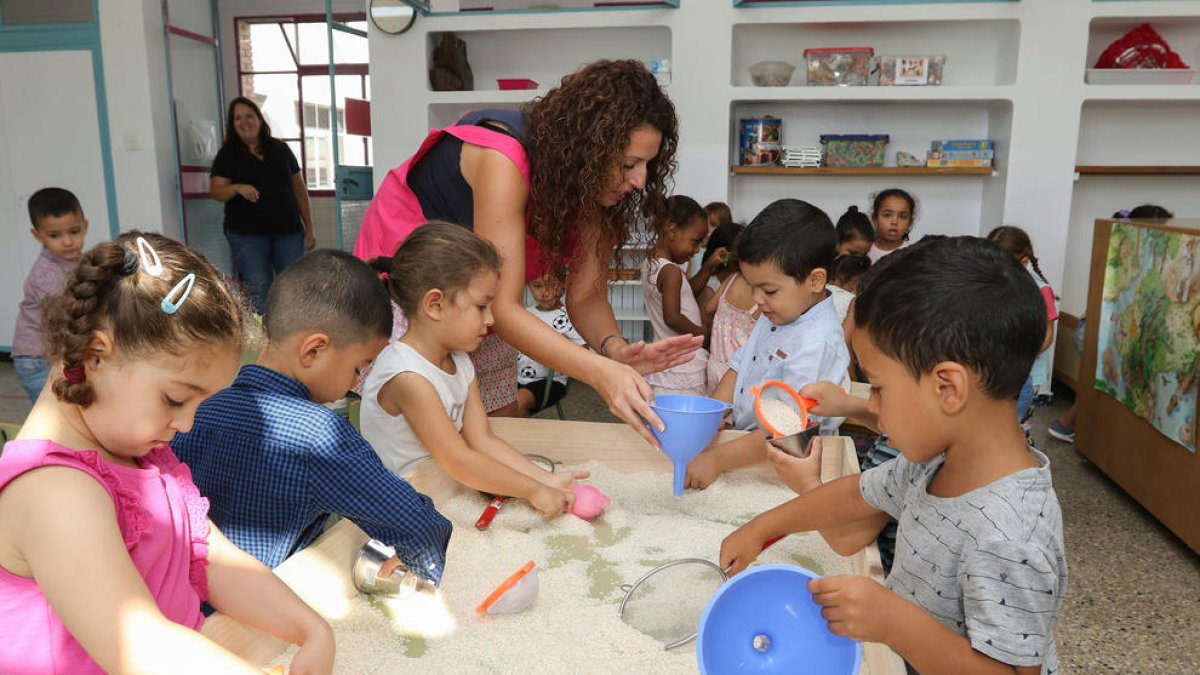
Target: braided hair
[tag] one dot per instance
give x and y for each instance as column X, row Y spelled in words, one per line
column 1015, row 240
column 112, row 290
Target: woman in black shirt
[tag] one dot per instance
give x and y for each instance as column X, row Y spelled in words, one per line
column 267, row 219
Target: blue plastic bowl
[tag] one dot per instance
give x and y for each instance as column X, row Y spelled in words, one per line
column 764, row 620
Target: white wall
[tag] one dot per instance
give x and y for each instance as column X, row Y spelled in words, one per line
column 1030, row 100
column 139, row 118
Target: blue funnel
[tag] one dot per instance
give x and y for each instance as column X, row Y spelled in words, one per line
column 691, row 421
column 764, row 620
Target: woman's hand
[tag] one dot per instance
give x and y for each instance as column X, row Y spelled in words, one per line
column 310, row 240
column 248, row 192
column 660, row 355
column 627, row 396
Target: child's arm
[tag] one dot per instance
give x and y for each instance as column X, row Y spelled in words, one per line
column 832, row 401
column 803, row 475
column 415, row 398
column 62, row 525
column 717, row 459
column 478, row 434
column 699, row 280
column 710, row 306
column 243, row 588
column 834, row 504
column 862, row 609
column 670, row 279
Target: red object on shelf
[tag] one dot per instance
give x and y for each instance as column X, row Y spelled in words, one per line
column 1141, row 47
column 522, row 83
column 358, row 117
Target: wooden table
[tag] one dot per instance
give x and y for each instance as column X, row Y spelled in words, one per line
column 328, row 560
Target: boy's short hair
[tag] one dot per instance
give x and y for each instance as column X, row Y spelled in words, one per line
column 331, row 292
column 52, row 202
column 795, row 235
column 961, row 299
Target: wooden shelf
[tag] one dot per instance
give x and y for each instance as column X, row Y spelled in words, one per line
column 863, row 171
column 1119, row 170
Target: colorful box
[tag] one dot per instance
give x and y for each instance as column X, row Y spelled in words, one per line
column 854, row 150
column 967, row 144
column 911, row 70
column 839, row 66
column 962, row 154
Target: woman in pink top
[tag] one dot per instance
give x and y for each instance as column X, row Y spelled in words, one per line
column 106, row 550
column 564, row 180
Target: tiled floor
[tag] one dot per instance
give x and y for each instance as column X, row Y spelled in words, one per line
column 1133, row 601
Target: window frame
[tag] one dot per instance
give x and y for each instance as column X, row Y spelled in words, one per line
column 362, row 70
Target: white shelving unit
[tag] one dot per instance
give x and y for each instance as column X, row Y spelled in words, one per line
column 1014, row 73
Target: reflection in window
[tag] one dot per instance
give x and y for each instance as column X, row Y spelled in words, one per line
column 283, row 65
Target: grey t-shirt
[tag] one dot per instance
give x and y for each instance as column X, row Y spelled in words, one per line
column 988, row 564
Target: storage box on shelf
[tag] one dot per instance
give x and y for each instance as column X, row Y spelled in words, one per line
column 974, row 52
column 1182, row 33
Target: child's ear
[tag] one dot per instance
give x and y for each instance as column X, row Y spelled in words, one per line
column 433, row 303
column 311, row 347
column 100, row 349
column 817, row 279
column 952, row 383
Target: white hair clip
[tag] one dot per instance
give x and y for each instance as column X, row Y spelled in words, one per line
column 178, row 294
column 151, row 263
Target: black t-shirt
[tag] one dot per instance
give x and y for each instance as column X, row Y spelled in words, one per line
column 276, row 211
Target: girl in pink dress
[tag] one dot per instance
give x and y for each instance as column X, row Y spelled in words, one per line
column 671, row 297
column 106, row 550
column 732, row 308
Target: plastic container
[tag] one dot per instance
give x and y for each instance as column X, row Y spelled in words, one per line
column 365, row 573
column 911, row 70
column 661, row 69
column 839, row 66
column 760, row 141
column 771, row 73
column 518, row 83
column 1139, row 75
column 692, row 422
column 858, row 150
column 764, row 620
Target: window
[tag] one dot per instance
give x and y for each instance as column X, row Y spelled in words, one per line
column 283, row 65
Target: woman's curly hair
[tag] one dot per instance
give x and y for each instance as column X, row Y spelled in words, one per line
column 576, row 137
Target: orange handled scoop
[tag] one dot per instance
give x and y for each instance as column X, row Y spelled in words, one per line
column 802, row 404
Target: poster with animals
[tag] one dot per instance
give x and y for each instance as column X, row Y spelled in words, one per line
column 1149, row 328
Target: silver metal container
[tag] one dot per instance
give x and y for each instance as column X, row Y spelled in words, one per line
column 365, row 573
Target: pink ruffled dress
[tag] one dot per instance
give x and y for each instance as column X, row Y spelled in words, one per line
column 164, row 521
column 731, row 328
column 686, row 378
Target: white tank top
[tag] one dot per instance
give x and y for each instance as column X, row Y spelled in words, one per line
column 392, row 437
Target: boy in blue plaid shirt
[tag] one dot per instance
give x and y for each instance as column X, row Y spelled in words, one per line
column 274, row 462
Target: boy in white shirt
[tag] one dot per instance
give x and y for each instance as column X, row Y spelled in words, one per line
column 532, row 377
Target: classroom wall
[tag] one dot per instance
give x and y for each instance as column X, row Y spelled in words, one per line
column 139, row 116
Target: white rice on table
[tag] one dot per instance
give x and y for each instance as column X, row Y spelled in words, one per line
column 573, row 624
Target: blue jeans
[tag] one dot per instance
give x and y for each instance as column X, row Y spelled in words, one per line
column 259, row 258
column 1025, row 401
column 32, row 372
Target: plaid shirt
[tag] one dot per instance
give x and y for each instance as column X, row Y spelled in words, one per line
column 274, row 465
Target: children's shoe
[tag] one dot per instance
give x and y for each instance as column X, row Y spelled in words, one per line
column 1061, row 431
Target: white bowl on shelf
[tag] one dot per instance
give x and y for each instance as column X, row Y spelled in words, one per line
column 771, row 73
column 1139, row 75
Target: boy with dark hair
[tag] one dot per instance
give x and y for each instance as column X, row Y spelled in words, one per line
column 59, row 226
column 947, row 332
column 274, row 462
column 784, row 254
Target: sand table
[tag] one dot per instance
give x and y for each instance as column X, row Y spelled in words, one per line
column 573, row 625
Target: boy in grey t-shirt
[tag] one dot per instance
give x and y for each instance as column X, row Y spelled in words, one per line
column 947, row 331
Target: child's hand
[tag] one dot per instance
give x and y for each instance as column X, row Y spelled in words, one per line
column 801, row 475
column 831, row 400
column 702, row 470
column 567, row 482
column 549, row 501
column 717, row 259
column 316, row 652
column 856, row 607
column 740, row 549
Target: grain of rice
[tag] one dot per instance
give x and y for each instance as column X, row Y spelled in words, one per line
column 784, row 417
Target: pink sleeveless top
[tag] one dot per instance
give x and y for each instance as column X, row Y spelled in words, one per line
column 164, row 521
column 687, row 377
column 731, row 327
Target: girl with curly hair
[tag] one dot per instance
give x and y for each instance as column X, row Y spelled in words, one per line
column 560, row 181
